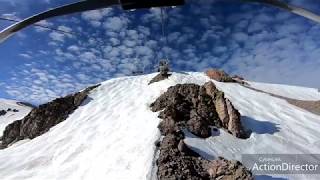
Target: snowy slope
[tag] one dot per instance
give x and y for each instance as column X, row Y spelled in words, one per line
column 294, row 92
column 11, row 116
column 111, row 136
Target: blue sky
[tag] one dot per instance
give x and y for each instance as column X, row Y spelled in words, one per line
column 255, row 41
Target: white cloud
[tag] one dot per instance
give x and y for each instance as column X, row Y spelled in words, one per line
column 240, row 37
column 96, row 15
column 87, row 56
column 25, row 55
column 74, row 48
column 64, row 28
column 44, row 23
column 116, row 23
column 57, row 36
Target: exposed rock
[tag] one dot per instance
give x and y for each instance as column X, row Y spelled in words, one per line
column 192, row 107
column 239, row 80
column 234, row 123
column 3, row 112
column 186, row 106
column 198, row 125
column 223, row 169
column 175, row 161
column 219, row 75
column 26, row 104
column 197, row 108
column 11, row 134
column 311, row 106
column 41, row 119
column 221, row 108
column 159, row 77
column 238, row 77
column 229, row 116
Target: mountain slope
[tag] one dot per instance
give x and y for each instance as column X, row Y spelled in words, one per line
column 10, row 116
column 113, row 134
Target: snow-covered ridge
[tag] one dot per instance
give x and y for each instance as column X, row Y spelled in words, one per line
column 112, row 135
column 11, row 116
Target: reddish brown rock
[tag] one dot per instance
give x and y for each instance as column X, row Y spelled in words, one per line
column 219, row 75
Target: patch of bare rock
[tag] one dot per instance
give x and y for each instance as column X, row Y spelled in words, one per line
column 195, row 108
column 221, row 76
column 3, row 112
column 42, row 118
column 223, row 169
column 311, row 106
column 159, row 77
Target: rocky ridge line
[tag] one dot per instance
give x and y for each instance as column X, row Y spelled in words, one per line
column 42, row 118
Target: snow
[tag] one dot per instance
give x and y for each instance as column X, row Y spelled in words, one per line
column 112, row 135
column 294, row 92
column 11, row 116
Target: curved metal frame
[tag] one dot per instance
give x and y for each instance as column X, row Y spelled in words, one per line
column 130, row 4
column 63, row 10
column 288, row 7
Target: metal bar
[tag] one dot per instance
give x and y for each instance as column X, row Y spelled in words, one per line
column 64, row 10
column 291, row 8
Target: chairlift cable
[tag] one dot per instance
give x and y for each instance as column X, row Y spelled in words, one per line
column 163, row 27
column 39, row 25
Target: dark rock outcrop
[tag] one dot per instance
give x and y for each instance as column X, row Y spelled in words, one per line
column 26, row 104
column 239, row 80
column 197, row 108
column 186, row 106
column 192, row 107
column 3, row 112
column 159, row 77
column 41, row 119
column 228, row 170
column 177, row 161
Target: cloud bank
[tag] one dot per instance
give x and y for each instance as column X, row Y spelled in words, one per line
column 254, row 41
